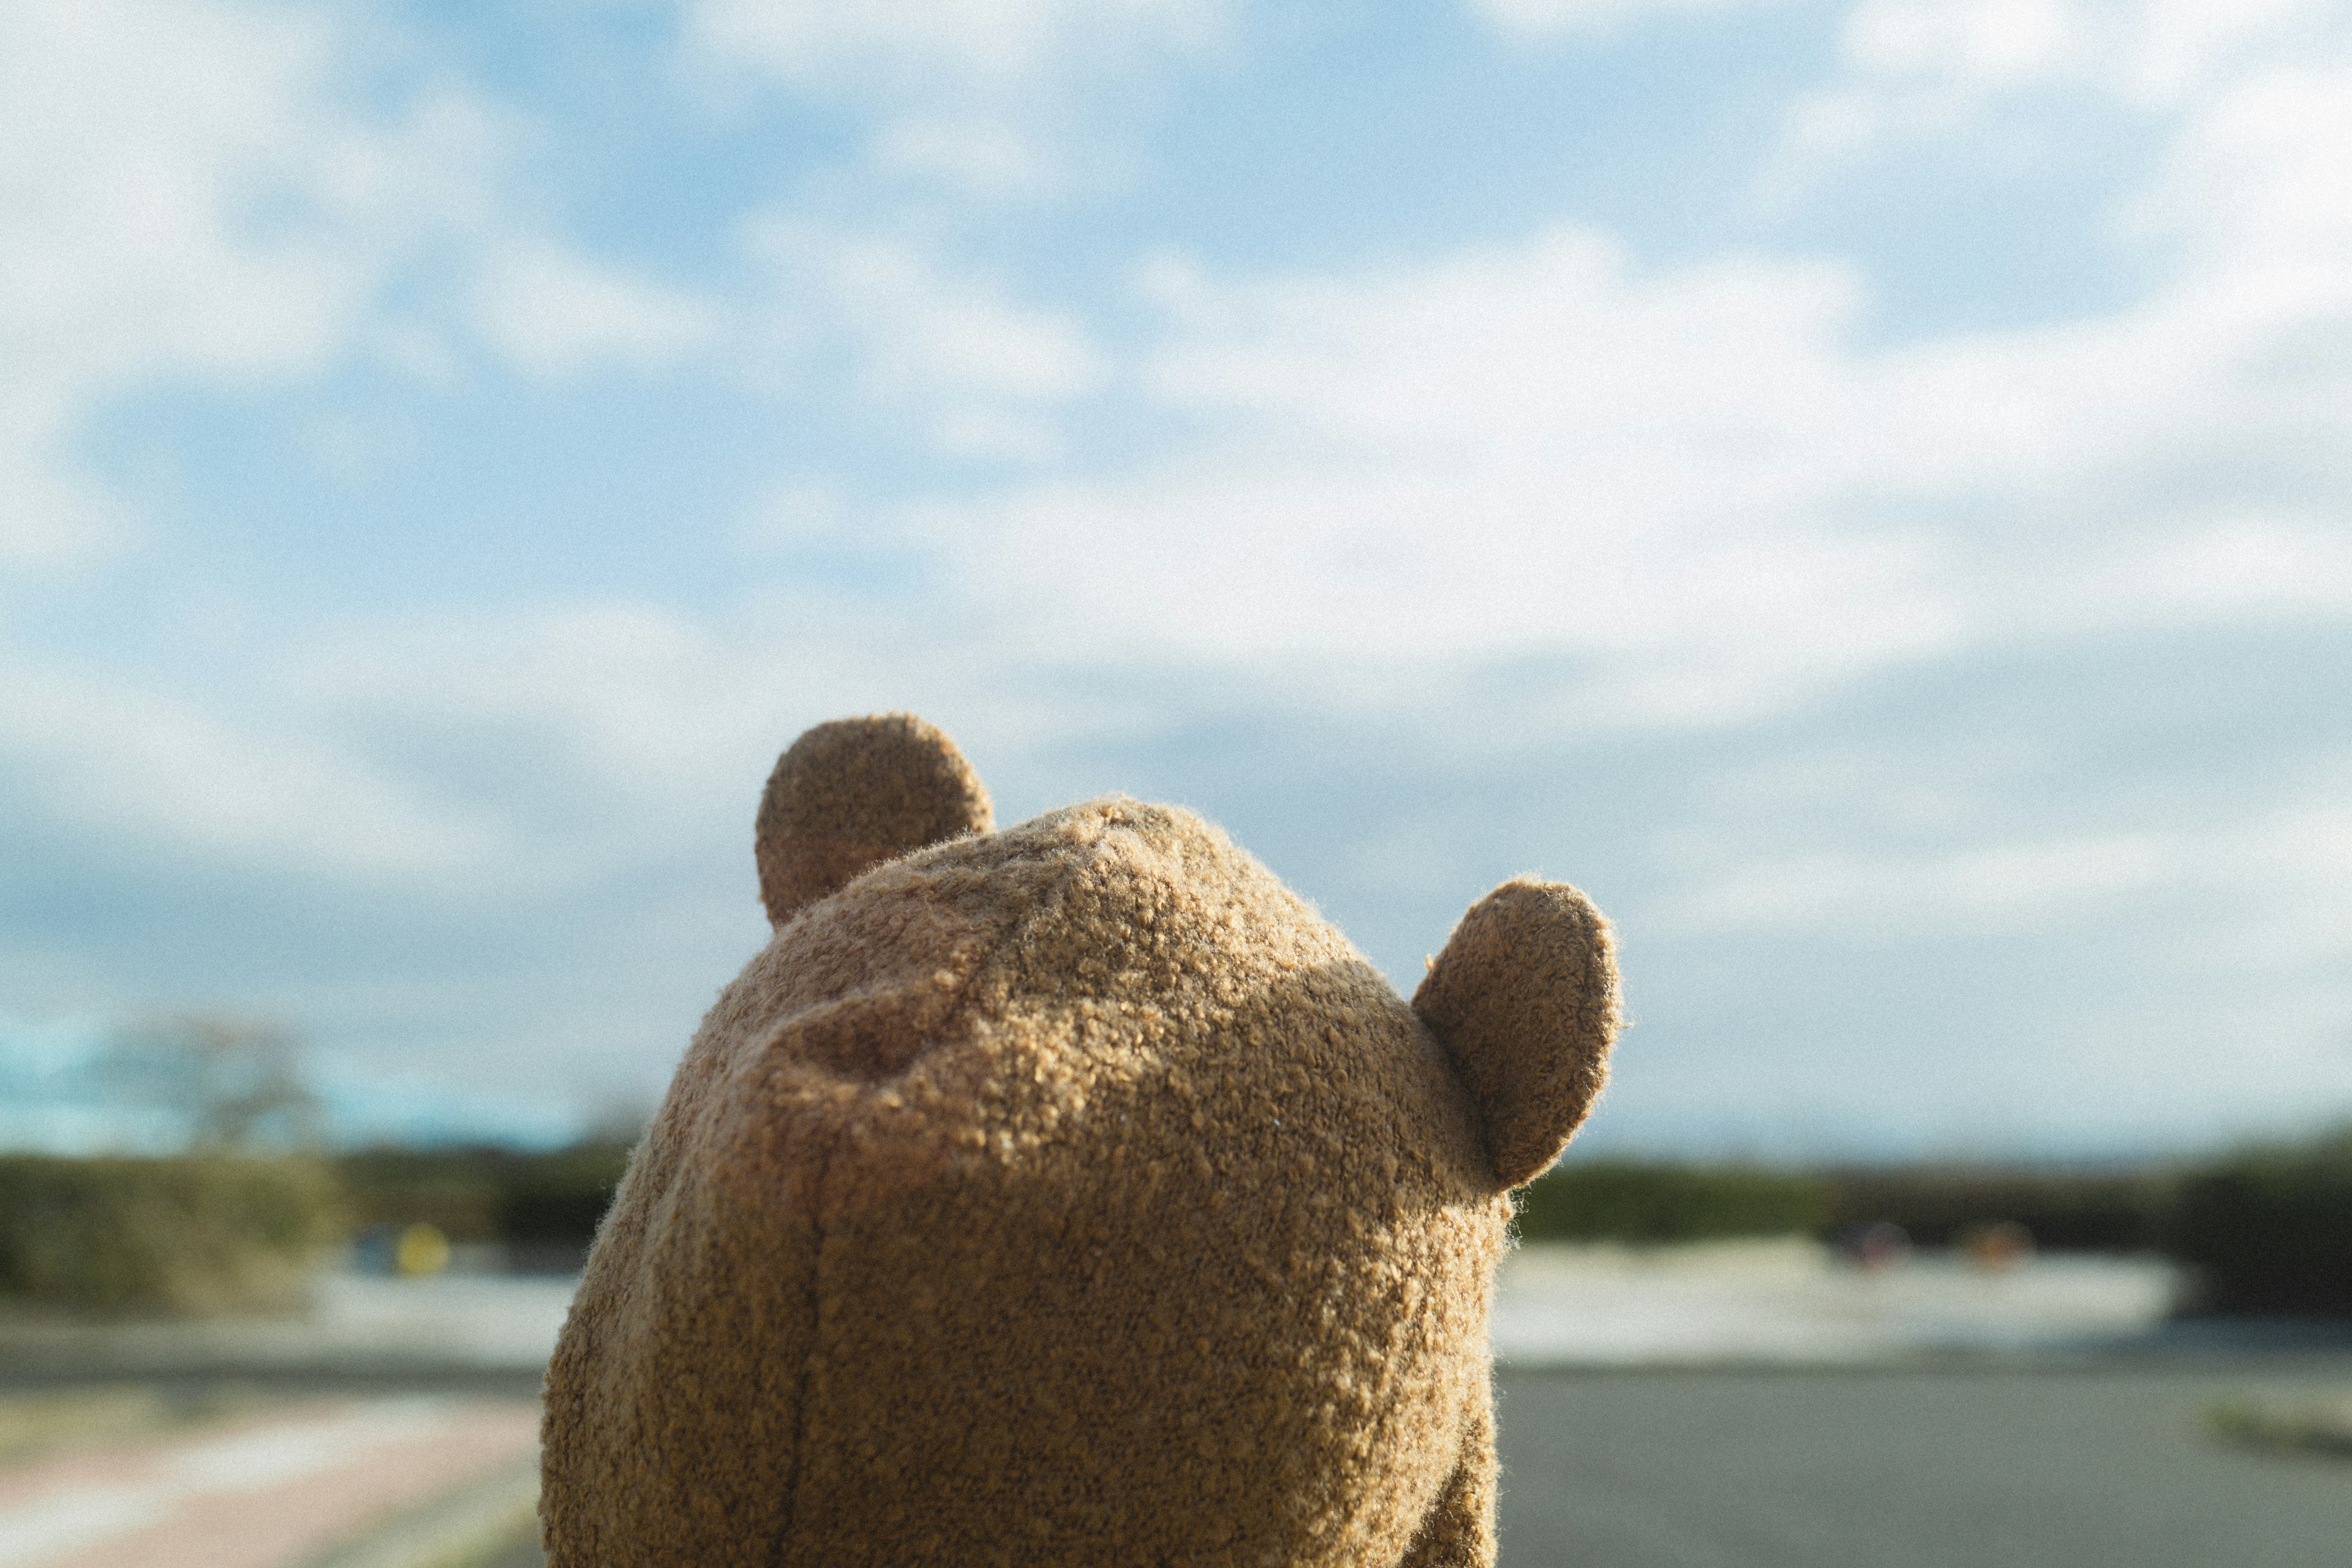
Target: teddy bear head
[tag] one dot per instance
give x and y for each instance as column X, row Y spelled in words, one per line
column 1068, row 1193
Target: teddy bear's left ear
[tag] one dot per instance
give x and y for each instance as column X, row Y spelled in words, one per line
column 1524, row 998
column 853, row 794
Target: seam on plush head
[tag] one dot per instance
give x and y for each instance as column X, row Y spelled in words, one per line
column 795, row 1461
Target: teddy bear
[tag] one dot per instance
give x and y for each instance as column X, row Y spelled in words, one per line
column 1068, row 1193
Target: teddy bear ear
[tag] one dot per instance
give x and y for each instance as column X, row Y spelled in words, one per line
column 1524, row 998
column 853, row 794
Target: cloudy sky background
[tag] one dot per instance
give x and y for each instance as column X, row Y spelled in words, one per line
column 1863, row 487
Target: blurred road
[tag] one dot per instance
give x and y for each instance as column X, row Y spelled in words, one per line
column 2087, row 1467
column 1753, row 1406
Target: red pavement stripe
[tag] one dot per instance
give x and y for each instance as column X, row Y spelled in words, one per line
column 269, row 1492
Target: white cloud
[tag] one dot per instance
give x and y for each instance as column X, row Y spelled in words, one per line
column 1990, row 44
column 641, row 702
column 2253, row 185
column 637, row 697
column 996, row 97
column 179, row 781
column 922, row 48
column 801, row 510
column 555, row 312
column 1697, row 477
column 986, row 156
column 1572, row 18
column 2028, row 887
column 137, row 133
column 1912, row 70
column 2242, row 894
column 2178, row 45
column 984, row 371
column 201, row 191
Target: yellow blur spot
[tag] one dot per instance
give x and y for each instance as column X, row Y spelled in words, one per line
column 423, row 1251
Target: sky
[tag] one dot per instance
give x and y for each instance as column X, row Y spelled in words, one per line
column 1863, row 488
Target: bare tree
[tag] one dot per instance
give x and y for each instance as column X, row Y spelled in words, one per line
column 232, row 1085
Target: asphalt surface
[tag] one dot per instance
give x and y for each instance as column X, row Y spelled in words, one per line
column 1751, row 1406
column 2082, row 1467
column 2100, row 1467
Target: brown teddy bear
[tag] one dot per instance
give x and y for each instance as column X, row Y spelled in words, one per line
column 1071, row 1194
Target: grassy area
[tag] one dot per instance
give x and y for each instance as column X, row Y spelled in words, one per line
column 2295, row 1426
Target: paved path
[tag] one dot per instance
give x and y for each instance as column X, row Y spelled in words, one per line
column 2060, row 1423
column 2097, row 1466
column 275, row 1489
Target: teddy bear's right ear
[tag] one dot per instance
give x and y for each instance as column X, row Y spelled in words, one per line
column 853, row 794
column 1524, row 999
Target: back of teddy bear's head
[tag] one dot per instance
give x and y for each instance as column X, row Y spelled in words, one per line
column 1070, row 1193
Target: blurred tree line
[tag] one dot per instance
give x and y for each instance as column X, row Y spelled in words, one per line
column 2269, row 1229
column 248, row 1201
column 2265, row 1229
column 540, row 1210
column 229, row 1208
column 233, row 1200
column 1934, row 1205
column 218, row 1231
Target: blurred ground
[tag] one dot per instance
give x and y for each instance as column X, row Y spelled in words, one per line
column 1958, row 1468
column 1981, row 1467
column 1744, row 1403
column 284, row 1482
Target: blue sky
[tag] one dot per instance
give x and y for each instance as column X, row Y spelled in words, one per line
column 1864, row 487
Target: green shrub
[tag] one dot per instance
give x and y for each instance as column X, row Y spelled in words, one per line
column 457, row 1191
column 198, row 1235
column 2269, row 1230
column 559, row 1198
column 1637, row 1201
column 478, row 1194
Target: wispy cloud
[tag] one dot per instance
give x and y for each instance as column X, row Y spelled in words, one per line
column 553, row 312
column 985, row 373
column 1912, row 70
column 1570, row 20
column 992, row 99
column 176, row 780
column 216, row 193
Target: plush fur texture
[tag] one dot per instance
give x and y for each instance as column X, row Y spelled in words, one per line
column 1068, row 1195
column 1525, row 997
column 853, row 794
